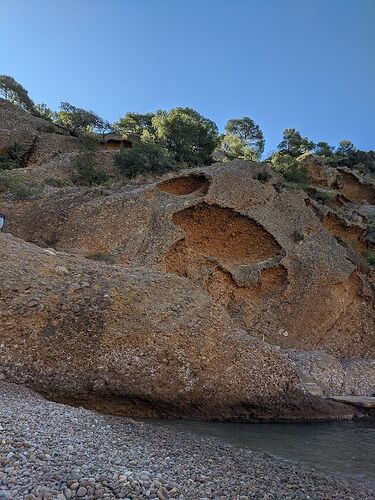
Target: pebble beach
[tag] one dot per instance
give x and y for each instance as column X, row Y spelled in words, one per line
column 54, row 451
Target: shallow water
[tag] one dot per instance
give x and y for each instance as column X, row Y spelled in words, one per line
column 344, row 447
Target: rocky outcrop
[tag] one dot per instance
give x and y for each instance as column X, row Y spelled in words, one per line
column 326, row 375
column 137, row 341
column 226, row 297
column 16, row 126
column 258, row 251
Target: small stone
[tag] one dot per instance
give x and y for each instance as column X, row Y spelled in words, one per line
column 61, row 270
column 160, row 495
column 81, row 492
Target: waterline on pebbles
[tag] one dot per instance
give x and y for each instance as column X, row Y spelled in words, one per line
column 53, row 451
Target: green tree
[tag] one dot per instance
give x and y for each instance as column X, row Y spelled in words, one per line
column 294, row 144
column 103, row 126
column 248, row 133
column 13, row 91
column 323, row 149
column 145, row 157
column 189, row 137
column 43, row 111
column 232, row 147
column 77, row 120
column 345, row 148
column 135, row 124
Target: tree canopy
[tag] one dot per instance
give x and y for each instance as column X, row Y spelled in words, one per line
column 135, row 123
column 77, row 120
column 294, row 144
column 249, row 135
column 13, row 91
column 323, row 149
column 190, row 137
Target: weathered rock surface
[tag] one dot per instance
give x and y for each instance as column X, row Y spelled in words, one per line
column 216, row 274
column 334, row 376
column 231, row 235
column 137, row 341
column 19, row 127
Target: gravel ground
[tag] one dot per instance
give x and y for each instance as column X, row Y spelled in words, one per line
column 53, row 451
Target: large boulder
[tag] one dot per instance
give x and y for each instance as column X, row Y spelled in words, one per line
column 138, row 341
column 257, row 249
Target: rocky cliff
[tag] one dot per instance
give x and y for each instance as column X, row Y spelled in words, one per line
column 218, row 296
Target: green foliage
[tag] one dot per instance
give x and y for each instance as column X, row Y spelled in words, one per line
column 297, row 175
column 345, row 148
column 87, row 172
column 20, row 187
column 291, row 169
column 323, row 149
column 12, row 158
column 369, row 257
column 233, row 148
column 13, row 91
column 144, row 158
column 43, row 111
column 322, row 195
column 347, row 155
column 264, row 176
column 77, row 120
column 101, row 257
column 298, row 236
column 283, row 161
column 59, row 183
column 248, row 133
column 294, row 144
column 135, row 124
column 188, row 136
column 103, row 126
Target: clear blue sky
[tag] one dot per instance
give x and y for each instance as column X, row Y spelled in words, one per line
column 307, row 64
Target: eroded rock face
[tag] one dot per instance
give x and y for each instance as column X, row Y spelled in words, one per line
column 259, row 251
column 137, row 341
column 333, row 376
column 16, row 126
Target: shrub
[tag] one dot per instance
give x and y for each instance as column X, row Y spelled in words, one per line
column 322, row 195
column 296, row 175
column 12, row 158
column 20, row 187
column 298, row 236
column 369, row 257
column 59, row 183
column 87, row 173
column 263, row 176
column 101, row 257
column 144, row 158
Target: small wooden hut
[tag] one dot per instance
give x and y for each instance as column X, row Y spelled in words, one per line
column 115, row 141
